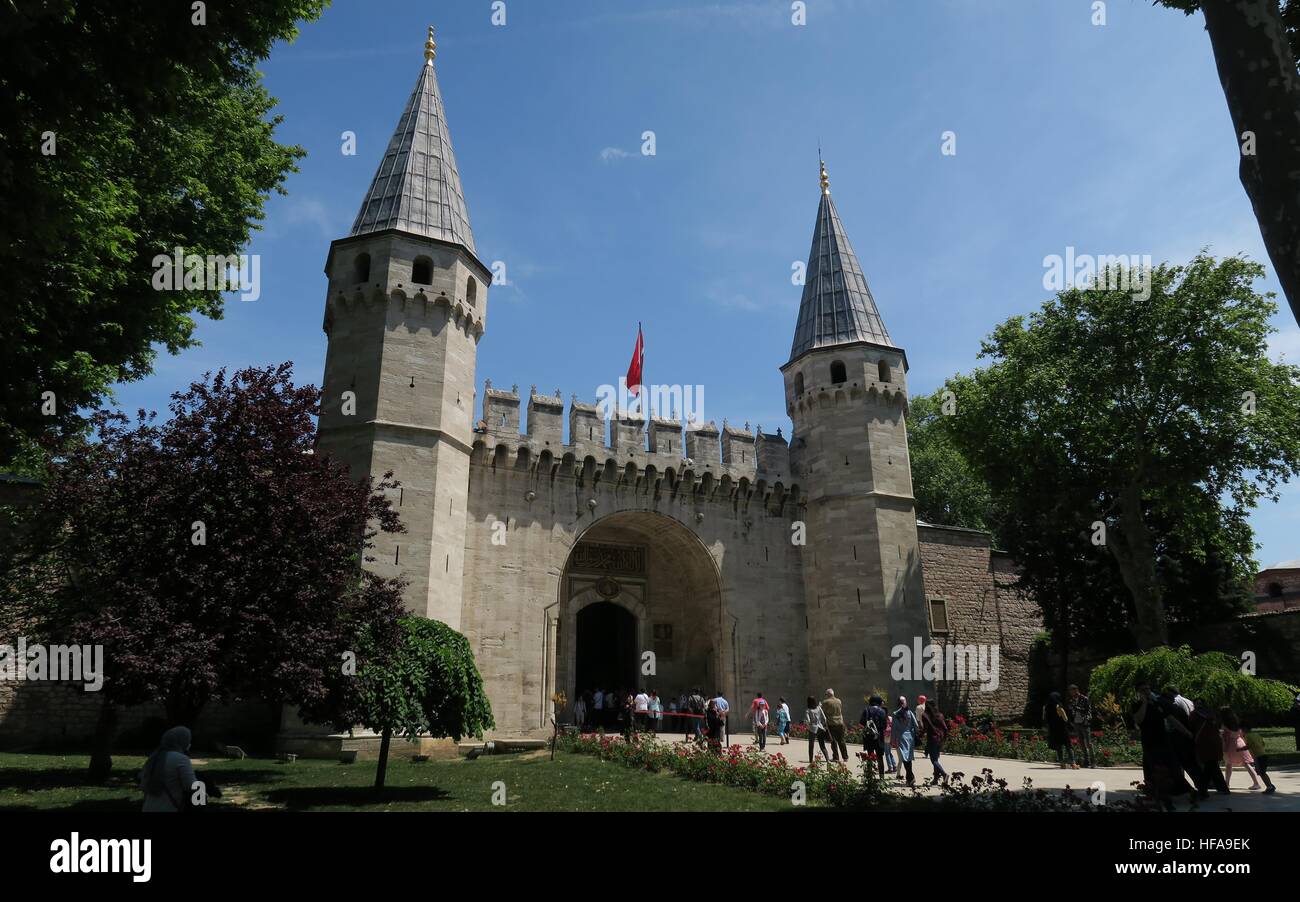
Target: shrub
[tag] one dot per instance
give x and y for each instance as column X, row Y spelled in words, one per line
column 1212, row 676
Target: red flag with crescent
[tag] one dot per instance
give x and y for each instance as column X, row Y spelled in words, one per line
column 638, row 360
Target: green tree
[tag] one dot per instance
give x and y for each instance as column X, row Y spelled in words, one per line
column 1144, row 425
column 130, row 129
column 948, row 490
column 1256, row 47
column 214, row 557
column 430, row 686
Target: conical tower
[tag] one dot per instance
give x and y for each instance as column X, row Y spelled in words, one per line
column 405, row 309
column 846, row 393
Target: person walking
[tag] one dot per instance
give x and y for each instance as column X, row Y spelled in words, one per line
column 724, row 708
column 783, row 722
column 1181, row 737
column 892, row 761
column 1255, row 745
column 1235, row 750
column 656, row 713
column 641, row 708
column 598, row 708
column 627, row 714
column 1079, row 707
column 167, row 777
column 716, row 721
column 935, row 728
column 874, row 722
column 833, row 708
column 1162, row 773
column 1209, row 749
column 905, row 730
column 758, row 715
column 815, row 718
column 695, row 723
column 580, row 712
column 1058, row 730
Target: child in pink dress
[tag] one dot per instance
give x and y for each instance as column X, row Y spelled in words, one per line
column 1235, row 753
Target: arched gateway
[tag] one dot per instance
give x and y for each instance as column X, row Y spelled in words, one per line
column 640, row 606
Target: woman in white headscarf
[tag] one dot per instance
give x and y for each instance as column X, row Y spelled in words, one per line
column 905, row 728
column 168, row 776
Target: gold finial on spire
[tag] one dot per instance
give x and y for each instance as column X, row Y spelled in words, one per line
column 430, row 48
column 826, row 180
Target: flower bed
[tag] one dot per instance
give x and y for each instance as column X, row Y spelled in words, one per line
column 744, row 767
column 1110, row 746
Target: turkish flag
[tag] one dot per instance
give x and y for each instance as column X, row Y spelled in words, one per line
column 638, row 359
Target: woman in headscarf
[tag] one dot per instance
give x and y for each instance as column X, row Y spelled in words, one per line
column 1209, row 749
column 168, row 776
column 905, row 729
column 815, row 718
column 1057, row 722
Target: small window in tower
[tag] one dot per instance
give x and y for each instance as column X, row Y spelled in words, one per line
column 1275, row 590
column 838, row 375
column 471, row 291
column 422, row 271
column 361, row 268
column 884, row 370
column 798, row 384
column 939, row 615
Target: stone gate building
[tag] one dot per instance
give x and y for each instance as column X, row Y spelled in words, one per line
column 565, row 561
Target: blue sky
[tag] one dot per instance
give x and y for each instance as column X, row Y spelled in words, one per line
column 1112, row 139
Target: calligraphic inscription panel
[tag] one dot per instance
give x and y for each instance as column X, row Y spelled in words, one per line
column 590, row 557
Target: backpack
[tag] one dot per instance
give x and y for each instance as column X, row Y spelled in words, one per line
column 871, row 730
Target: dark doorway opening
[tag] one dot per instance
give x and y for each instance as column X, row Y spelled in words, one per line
column 606, row 646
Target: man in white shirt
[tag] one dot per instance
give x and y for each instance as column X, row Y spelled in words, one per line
column 723, row 707
column 642, row 706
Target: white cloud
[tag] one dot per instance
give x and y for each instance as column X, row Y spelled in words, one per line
column 609, row 154
column 310, row 211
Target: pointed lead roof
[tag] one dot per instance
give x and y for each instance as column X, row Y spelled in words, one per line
column 417, row 188
column 837, row 307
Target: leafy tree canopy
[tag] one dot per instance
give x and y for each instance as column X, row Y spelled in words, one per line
column 129, row 130
column 1156, row 414
column 429, row 685
column 948, row 490
column 214, row 556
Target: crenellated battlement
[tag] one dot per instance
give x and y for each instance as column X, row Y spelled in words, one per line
column 416, row 309
column 825, row 397
column 663, row 454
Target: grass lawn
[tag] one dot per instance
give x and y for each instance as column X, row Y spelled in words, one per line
column 532, row 783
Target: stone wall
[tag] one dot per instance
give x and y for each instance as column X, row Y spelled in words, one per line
column 974, row 584
column 531, row 498
column 64, row 714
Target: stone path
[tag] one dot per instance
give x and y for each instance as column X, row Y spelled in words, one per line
column 1118, row 780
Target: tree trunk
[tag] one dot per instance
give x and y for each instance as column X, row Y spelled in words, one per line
column 1257, row 69
column 1135, row 554
column 382, row 770
column 101, row 753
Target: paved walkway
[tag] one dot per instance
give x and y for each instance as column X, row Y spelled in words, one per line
column 1118, row 780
